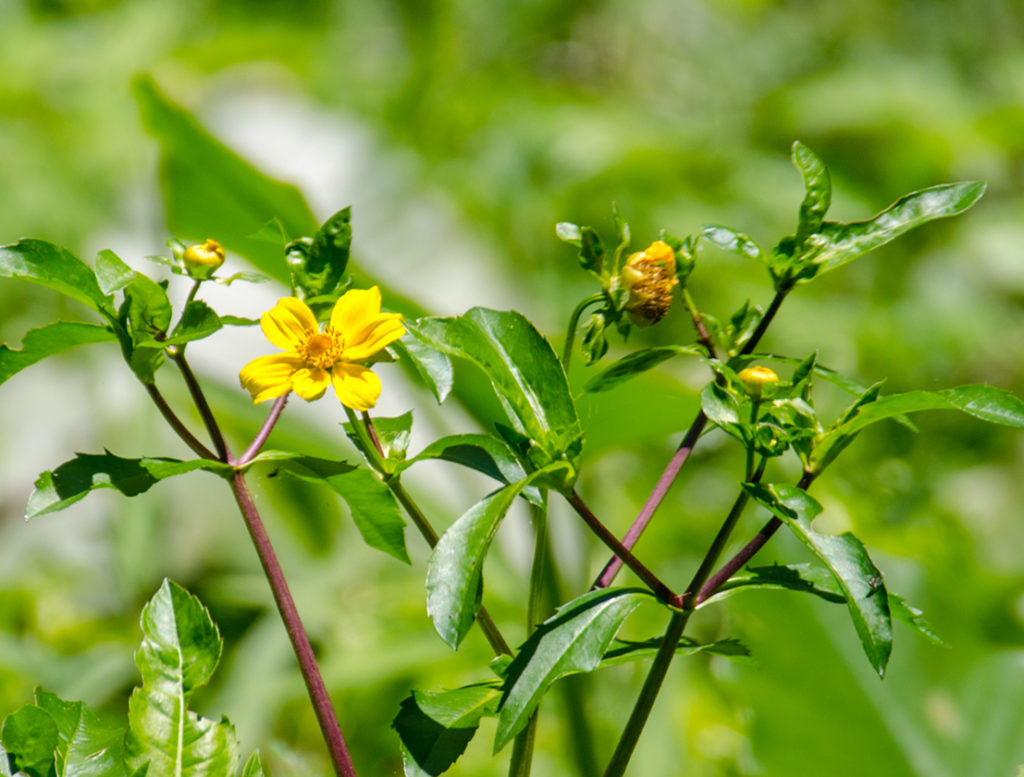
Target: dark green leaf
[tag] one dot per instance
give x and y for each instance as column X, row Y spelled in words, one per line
column 238, row 321
column 198, row 320
column 573, row 640
column 87, row 747
column 433, row 367
column 635, row 363
column 323, row 271
column 732, row 241
column 30, row 737
column 594, row 341
column 72, row 480
column 842, row 243
column 481, row 452
column 455, row 571
column 436, row 727
column 623, row 652
column 818, row 186
column 37, row 261
column 112, row 273
column 374, row 510
column 591, row 254
column 524, row 371
column 148, row 315
column 858, row 578
column 180, row 649
column 47, row 341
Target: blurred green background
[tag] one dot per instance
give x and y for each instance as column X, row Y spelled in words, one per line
column 461, row 132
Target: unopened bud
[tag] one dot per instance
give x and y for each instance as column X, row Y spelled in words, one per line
column 650, row 277
column 758, row 380
column 203, row 260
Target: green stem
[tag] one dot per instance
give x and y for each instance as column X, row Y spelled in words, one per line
column 522, row 750
column 574, row 321
column 698, row 324
column 652, row 685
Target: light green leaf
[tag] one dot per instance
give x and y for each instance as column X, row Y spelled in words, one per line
column 732, row 241
column 74, row 479
column 49, row 340
column 392, row 434
column 525, row 373
column 31, row 737
column 180, row 649
column 254, row 766
column 112, row 273
column 455, row 571
column 432, row 366
column 573, row 640
column 87, row 748
column 818, row 186
column 634, row 364
column 436, row 727
column 842, row 243
column 37, row 261
column 198, row 320
column 858, row 578
column 148, row 314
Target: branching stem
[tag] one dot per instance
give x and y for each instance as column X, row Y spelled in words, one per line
column 261, row 436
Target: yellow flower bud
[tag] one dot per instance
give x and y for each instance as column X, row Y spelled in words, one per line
column 758, row 380
column 202, row 261
column 650, row 277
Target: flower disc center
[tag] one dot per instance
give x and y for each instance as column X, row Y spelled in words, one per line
column 320, row 351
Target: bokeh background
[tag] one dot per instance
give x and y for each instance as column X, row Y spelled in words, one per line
column 461, row 132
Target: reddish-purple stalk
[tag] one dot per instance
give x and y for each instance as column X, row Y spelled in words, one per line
column 261, row 436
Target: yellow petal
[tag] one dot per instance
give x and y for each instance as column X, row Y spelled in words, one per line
column 288, row 323
column 268, row 377
column 376, row 335
column 311, row 383
column 355, row 309
column 356, row 386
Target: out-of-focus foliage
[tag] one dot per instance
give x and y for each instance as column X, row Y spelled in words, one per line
column 461, row 132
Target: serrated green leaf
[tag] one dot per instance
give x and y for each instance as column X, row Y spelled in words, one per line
column 112, row 273
column 433, row 367
column 455, row 570
column 374, row 510
column 732, row 241
column 623, row 652
column 436, row 727
column 859, row 579
column 31, row 737
column 984, row 402
column 635, row 363
column 573, row 640
column 524, row 371
column 842, row 243
column 253, row 766
column 198, row 320
column 481, row 452
column 818, row 190
column 49, row 340
column 180, row 650
column 87, row 748
column 74, row 479
column 45, row 264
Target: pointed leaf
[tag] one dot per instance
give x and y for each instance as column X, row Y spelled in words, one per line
column 455, row 571
column 87, row 747
column 623, row 652
column 858, row 578
column 198, row 320
column 573, row 640
column 180, row 649
column 112, row 273
column 818, row 186
column 323, row 271
column 72, row 480
column 433, row 367
column 634, row 364
column 37, row 261
column 524, row 371
column 436, row 727
column 47, row 341
column 254, row 766
column 732, row 241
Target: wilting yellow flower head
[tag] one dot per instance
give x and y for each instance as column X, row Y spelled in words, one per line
column 650, row 276
column 203, row 260
column 314, row 359
column 758, row 380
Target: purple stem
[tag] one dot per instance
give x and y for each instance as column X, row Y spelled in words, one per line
column 296, row 633
column 179, row 428
column 261, row 436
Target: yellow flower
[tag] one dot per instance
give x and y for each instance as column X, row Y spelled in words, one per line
column 758, row 380
column 203, row 260
column 314, row 359
column 650, row 276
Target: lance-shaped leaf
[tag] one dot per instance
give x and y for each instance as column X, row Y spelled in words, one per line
column 623, row 651
column 48, row 265
column 984, row 402
column 481, row 452
column 180, row 649
column 253, row 767
column 433, row 367
column 525, row 373
column 730, row 240
column 47, row 341
column 857, row 577
column 842, row 243
column 436, row 727
column 820, row 582
column 635, row 363
column 574, row 639
column 86, row 747
column 74, row 479
column 455, row 572
column 374, row 509
column 818, row 190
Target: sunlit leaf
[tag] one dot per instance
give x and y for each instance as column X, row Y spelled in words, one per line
column 634, row 364
column 45, row 264
column 818, row 188
column 49, row 340
column 87, row 747
column 432, row 366
column 253, row 766
column 31, row 737
column 198, row 320
column 732, row 241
